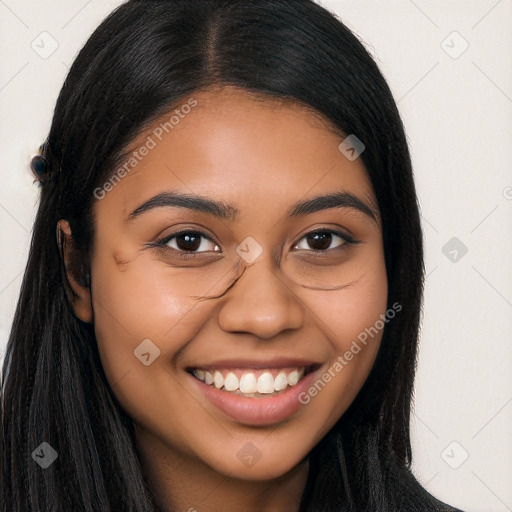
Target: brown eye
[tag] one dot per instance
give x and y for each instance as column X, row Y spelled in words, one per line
column 319, row 241
column 323, row 241
column 190, row 241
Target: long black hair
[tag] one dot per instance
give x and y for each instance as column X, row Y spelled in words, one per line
column 144, row 59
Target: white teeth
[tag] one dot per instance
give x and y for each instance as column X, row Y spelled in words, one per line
column 265, row 383
column 280, row 382
column 248, row 383
column 231, row 382
column 218, row 379
column 293, row 378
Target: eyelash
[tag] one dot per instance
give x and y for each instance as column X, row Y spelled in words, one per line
column 162, row 243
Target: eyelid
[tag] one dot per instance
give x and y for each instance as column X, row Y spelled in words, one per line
column 163, row 241
column 346, row 237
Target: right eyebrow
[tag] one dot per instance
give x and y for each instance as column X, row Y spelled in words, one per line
column 191, row 202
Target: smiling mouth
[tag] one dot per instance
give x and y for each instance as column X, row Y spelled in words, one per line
column 252, row 383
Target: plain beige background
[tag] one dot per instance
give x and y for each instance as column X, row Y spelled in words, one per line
column 448, row 64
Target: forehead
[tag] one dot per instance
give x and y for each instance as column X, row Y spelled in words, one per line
column 239, row 147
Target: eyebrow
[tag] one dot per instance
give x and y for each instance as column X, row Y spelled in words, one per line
column 334, row 200
column 225, row 211
column 188, row 201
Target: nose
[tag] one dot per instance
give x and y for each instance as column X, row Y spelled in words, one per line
column 261, row 303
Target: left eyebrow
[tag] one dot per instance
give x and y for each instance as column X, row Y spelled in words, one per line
column 226, row 211
column 335, row 200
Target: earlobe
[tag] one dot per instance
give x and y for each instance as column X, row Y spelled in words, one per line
column 81, row 293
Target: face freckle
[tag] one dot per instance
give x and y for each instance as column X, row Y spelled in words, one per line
column 266, row 159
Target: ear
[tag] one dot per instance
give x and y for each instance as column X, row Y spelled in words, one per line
column 81, row 299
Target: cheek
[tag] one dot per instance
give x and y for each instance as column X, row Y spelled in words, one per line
column 358, row 307
column 132, row 306
column 353, row 322
column 348, row 312
column 358, row 318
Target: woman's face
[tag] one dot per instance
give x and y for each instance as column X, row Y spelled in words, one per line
column 253, row 291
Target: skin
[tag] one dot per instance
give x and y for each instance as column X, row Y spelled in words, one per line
column 250, row 154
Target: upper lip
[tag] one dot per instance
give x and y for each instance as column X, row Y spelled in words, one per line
column 282, row 362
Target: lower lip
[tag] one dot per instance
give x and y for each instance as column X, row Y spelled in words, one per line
column 257, row 411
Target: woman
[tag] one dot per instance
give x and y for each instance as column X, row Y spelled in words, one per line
column 221, row 305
